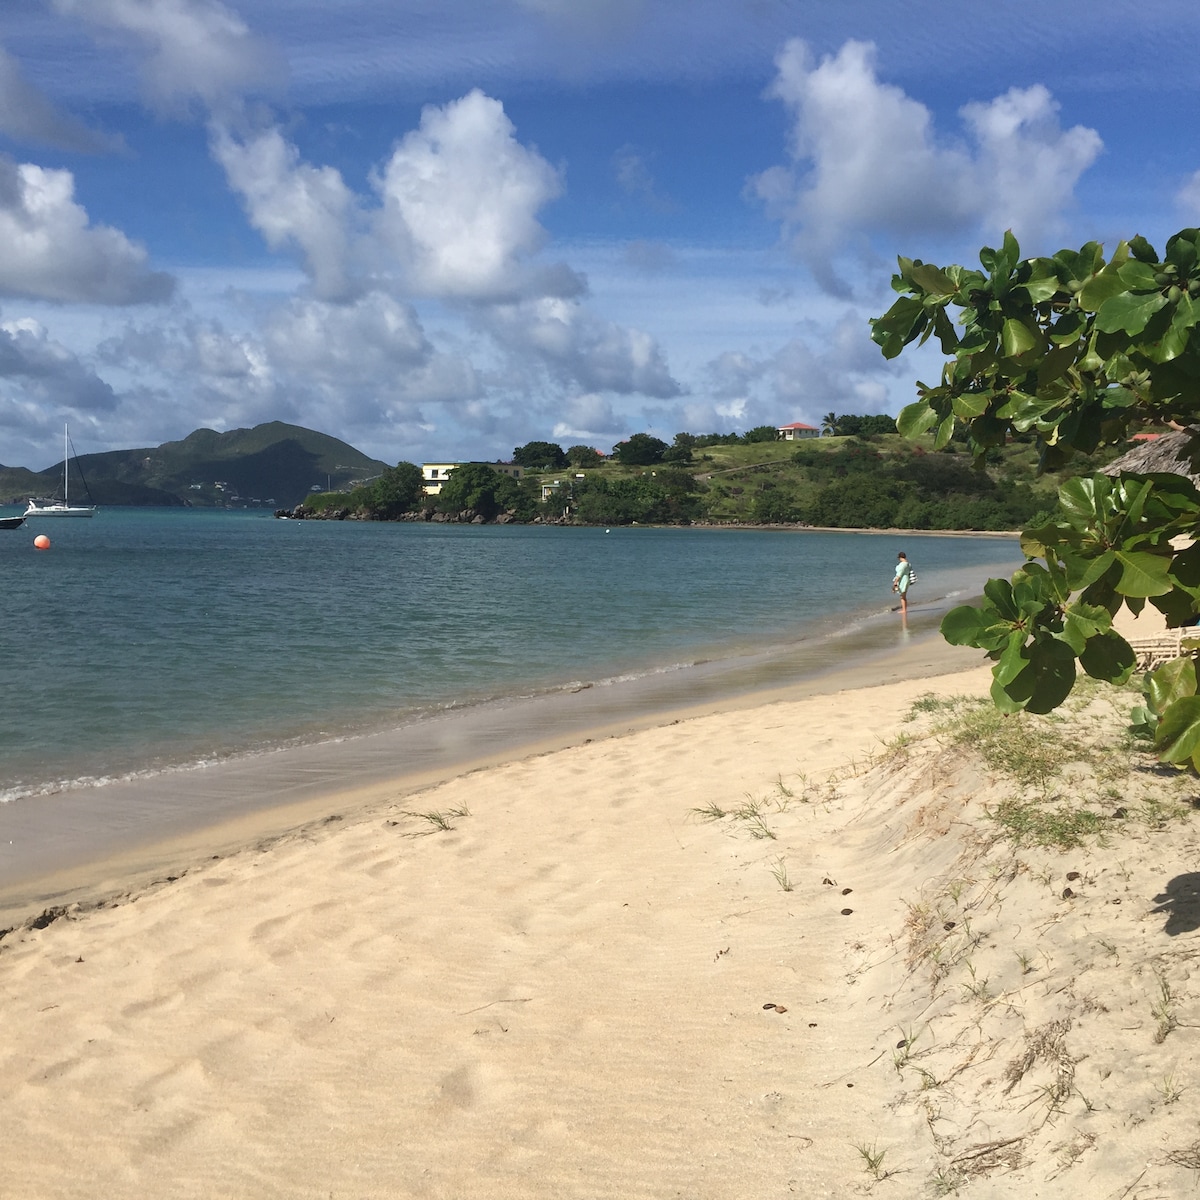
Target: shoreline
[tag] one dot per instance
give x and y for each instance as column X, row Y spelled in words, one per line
column 87, row 854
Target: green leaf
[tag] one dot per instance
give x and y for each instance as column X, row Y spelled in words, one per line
column 901, row 324
column 1108, row 656
column 1000, row 593
column 1187, row 313
column 1012, row 249
column 1142, row 250
column 932, row 280
column 1178, row 734
column 1012, row 661
column 945, row 431
column 1171, row 682
column 964, row 625
column 1128, row 312
column 1056, row 364
column 1053, row 665
column 1177, row 605
column 1068, row 328
column 969, row 405
column 1099, row 289
column 1082, row 622
column 1185, row 566
column 1005, row 702
column 1137, row 276
column 1078, row 498
column 947, row 335
column 1043, row 282
column 1143, row 724
column 1143, row 573
column 915, row 419
column 1016, row 338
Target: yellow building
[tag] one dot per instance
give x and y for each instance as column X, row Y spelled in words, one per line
column 436, row 474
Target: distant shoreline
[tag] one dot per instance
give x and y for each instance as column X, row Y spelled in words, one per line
column 871, row 530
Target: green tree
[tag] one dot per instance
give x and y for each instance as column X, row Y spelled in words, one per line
column 668, row 497
column 854, row 425
column 1078, row 351
column 540, row 456
column 858, row 502
column 475, row 487
column 761, row 433
column 398, row 490
column 584, row 456
column 829, row 424
column 680, row 450
column 640, row 450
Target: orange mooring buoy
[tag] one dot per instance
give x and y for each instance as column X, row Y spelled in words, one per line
column 42, row 542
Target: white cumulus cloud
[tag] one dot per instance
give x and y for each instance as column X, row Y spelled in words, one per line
column 189, row 49
column 581, row 349
column 27, row 115
column 1027, row 165
column 372, row 338
column 460, row 199
column 53, row 252
column 589, row 419
column 867, row 161
column 48, row 373
column 290, row 202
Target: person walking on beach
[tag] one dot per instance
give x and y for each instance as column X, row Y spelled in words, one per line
column 901, row 580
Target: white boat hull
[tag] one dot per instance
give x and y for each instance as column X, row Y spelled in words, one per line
column 59, row 510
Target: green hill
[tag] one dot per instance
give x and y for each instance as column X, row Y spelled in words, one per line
column 876, row 481
column 274, row 465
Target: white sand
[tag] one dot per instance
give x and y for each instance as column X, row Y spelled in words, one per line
column 562, row 995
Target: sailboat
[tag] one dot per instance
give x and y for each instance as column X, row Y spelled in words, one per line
column 63, row 507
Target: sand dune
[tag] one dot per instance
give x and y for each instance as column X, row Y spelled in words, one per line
column 551, row 978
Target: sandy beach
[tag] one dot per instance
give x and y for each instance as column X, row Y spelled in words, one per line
column 770, row 948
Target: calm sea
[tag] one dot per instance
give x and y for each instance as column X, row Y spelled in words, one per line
column 149, row 640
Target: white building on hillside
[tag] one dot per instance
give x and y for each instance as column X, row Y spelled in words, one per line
column 436, row 474
column 797, row 430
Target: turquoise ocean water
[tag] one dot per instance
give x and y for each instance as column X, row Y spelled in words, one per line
column 145, row 641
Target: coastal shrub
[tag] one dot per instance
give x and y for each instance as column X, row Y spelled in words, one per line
column 476, row 487
column 776, row 506
column 398, row 490
column 667, row 497
column 540, row 456
column 855, row 425
column 639, row 450
column 584, row 457
column 855, row 503
column 760, row 433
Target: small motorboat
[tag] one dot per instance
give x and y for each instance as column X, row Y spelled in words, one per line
column 12, row 522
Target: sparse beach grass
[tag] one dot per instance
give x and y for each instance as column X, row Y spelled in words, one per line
column 1048, row 842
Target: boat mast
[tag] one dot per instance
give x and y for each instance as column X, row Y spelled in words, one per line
column 66, row 472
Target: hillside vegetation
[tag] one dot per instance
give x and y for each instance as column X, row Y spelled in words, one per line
column 271, row 464
column 872, row 480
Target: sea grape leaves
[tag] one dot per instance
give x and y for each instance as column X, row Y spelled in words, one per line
column 1079, row 352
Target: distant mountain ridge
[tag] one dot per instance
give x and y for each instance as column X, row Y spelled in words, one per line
column 270, row 465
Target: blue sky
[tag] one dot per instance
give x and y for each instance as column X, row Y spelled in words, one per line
column 442, row 228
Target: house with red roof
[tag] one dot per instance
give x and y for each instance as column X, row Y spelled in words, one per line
column 797, row 430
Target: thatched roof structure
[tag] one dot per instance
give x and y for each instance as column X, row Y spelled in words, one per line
column 1177, row 453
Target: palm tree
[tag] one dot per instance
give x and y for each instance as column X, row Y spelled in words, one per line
column 829, row 424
